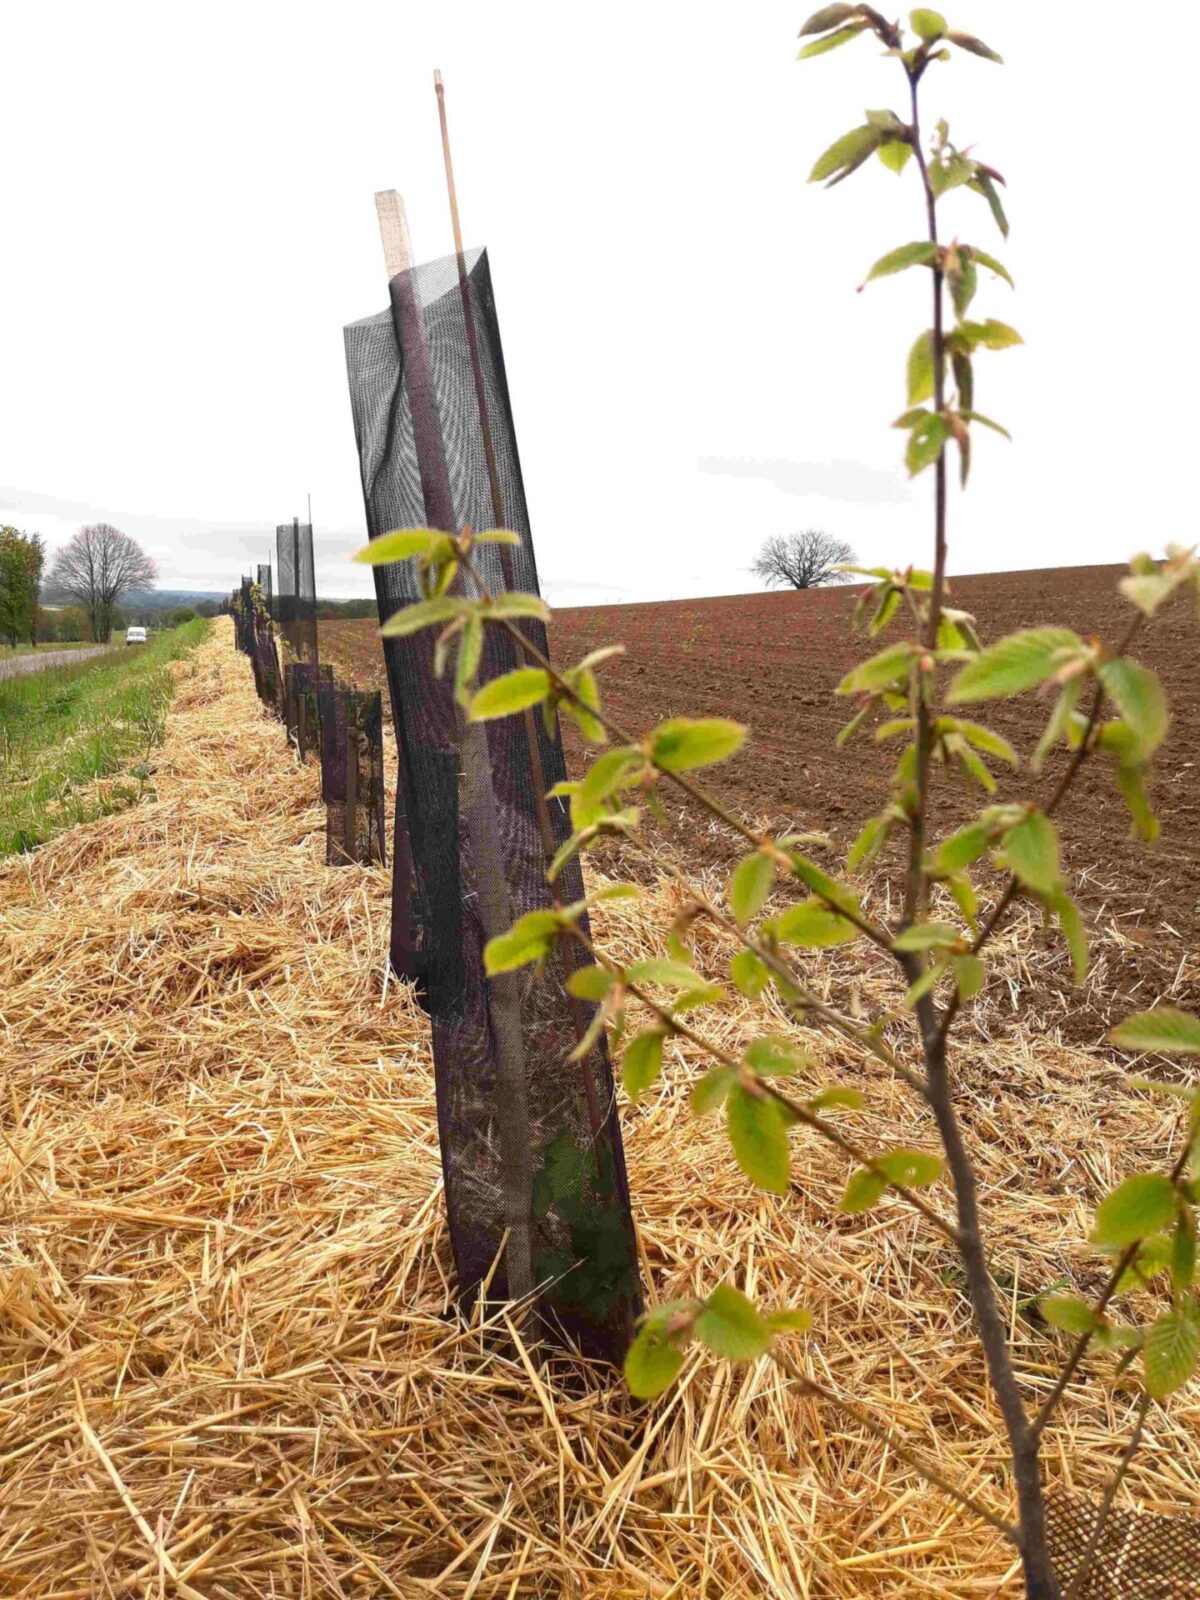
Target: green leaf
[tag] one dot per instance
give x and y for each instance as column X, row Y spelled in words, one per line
column 1172, row 1351
column 750, row 885
column 863, row 1190
column 828, row 17
column 775, row 1056
column 969, row 975
column 607, row 774
column 813, row 924
column 927, row 936
column 884, row 612
column 1183, row 1252
column 915, row 1169
column 1031, row 850
column 982, row 258
column 758, row 1134
column 1020, row 661
column 855, row 723
column 422, row 614
column 895, row 154
column 499, row 536
column 512, row 691
column 749, row 974
column 963, row 285
column 928, row 980
column 732, row 1326
column 515, row 603
column 963, row 847
column 679, row 745
column 590, row 983
column 470, row 650
column 812, row 876
column 890, row 666
column 925, row 444
column 652, row 1363
column 662, row 970
column 847, row 154
column 642, row 1062
column 529, row 939
column 920, row 369
column 991, row 334
column 400, row 544
column 982, row 184
column 1131, row 782
column 869, row 842
column 1141, row 1205
column 789, row 1321
column 968, row 41
column 1164, row 1029
column 1148, row 590
column 1068, row 1312
column 984, row 739
column 710, row 1090
column 1137, row 695
column 1060, row 721
column 832, row 41
column 918, row 254
column 965, row 898
column 832, row 1098
column 930, row 25
column 1073, row 931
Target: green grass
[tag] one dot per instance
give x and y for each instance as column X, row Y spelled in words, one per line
column 75, row 740
column 47, row 645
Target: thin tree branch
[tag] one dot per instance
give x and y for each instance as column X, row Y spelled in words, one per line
column 1110, row 1494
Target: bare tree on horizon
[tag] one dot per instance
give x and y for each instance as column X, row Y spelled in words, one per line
column 802, row 560
column 96, row 569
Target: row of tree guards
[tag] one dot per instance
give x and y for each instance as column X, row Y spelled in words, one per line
column 531, row 1149
column 341, row 726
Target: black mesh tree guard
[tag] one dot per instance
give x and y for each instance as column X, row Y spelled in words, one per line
column 265, row 587
column 531, row 1147
column 352, row 774
column 1138, row 1556
column 296, row 590
column 264, row 653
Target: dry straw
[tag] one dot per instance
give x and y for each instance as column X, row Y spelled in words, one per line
column 229, row 1359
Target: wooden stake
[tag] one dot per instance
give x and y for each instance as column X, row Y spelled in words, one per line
column 393, row 230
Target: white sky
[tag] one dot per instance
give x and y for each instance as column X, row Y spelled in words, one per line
column 187, row 200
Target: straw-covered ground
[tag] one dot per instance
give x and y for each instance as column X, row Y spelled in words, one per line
column 229, row 1359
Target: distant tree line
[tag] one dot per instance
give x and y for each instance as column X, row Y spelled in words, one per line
column 22, row 556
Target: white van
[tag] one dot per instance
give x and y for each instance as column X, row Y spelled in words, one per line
column 135, row 635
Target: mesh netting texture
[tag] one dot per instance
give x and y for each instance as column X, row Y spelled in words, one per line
column 265, row 587
column 302, row 682
column 352, row 774
column 1139, row 1556
column 531, row 1147
column 296, row 589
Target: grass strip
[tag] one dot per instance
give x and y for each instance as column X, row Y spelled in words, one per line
column 75, row 741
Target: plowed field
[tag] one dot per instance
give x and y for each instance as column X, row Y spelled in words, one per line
column 773, row 661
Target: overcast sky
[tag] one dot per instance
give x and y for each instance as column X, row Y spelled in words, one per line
column 186, row 193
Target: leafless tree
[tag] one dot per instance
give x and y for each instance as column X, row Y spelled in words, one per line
column 96, row 569
column 802, row 560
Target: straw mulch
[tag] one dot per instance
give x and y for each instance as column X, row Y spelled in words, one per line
column 230, row 1363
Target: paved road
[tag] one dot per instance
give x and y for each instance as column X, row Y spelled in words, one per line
column 12, row 666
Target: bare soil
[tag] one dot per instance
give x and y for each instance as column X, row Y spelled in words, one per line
column 773, row 661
